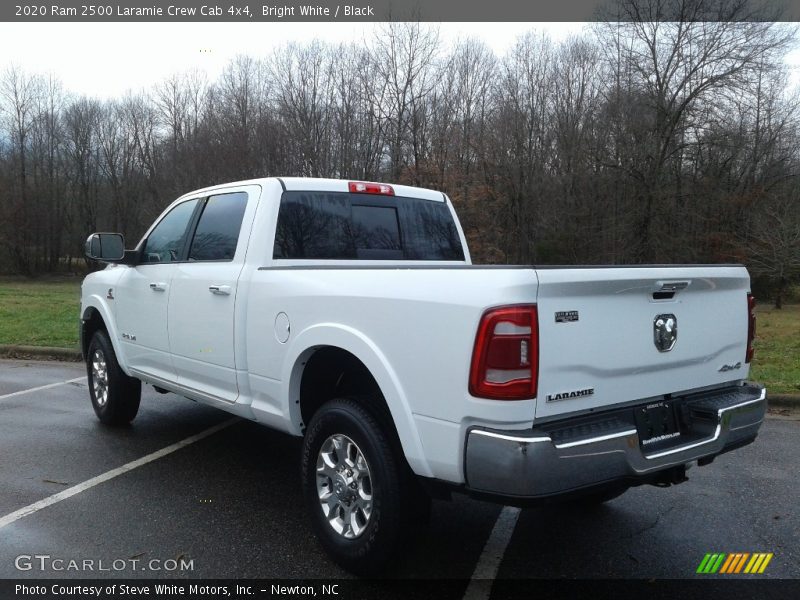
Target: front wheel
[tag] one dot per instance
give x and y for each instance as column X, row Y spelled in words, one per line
column 362, row 497
column 115, row 396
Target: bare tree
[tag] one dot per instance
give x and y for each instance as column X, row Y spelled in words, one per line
column 303, row 96
column 82, row 120
column 47, row 149
column 523, row 140
column 679, row 60
column 359, row 129
column 668, row 133
column 405, row 54
column 18, row 93
column 773, row 244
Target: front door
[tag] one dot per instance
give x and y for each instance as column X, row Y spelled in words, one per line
column 142, row 295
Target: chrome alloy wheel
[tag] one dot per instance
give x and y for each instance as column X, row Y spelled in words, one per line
column 99, row 377
column 344, row 486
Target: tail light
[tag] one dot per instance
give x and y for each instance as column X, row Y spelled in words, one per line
column 505, row 359
column 751, row 326
column 363, row 187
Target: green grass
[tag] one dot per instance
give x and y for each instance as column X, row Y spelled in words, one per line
column 777, row 359
column 45, row 313
column 40, row 312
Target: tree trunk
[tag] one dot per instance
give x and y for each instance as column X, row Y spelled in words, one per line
column 780, row 293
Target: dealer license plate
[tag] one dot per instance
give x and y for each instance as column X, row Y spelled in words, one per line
column 656, row 423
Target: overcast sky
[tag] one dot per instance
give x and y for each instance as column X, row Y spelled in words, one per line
column 107, row 59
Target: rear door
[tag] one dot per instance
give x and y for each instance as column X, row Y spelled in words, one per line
column 614, row 335
column 203, row 299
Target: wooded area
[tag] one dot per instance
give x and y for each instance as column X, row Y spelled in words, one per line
column 642, row 140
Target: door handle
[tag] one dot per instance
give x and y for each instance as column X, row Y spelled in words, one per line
column 158, row 286
column 222, row 290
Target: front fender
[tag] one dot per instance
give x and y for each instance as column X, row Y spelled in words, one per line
column 363, row 348
column 101, row 305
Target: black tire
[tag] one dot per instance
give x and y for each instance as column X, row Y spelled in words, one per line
column 399, row 506
column 121, row 401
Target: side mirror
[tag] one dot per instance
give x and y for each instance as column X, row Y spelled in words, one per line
column 106, row 247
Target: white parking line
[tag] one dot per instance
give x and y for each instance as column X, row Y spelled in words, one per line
column 90, row 483
column 480, row 585
column 42, row 387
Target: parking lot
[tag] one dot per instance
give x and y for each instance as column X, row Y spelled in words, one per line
column 228, row 501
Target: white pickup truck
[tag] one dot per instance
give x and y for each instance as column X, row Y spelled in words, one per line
column 349, row 313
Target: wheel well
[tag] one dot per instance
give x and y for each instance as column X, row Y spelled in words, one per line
column 91, row 322
column 335, row 373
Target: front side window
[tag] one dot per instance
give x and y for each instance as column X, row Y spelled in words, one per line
column 165, row 243
column 217, row 230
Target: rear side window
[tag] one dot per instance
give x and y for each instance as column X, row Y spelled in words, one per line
column 217, row 230
column 313, row 225
column 338, row 225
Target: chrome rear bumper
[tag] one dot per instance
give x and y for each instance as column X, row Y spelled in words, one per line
column 560, row 458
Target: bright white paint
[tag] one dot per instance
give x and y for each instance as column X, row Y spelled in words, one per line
column 611, row 347
column 414, row 330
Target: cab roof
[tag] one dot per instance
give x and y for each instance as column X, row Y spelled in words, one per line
column 312, row 184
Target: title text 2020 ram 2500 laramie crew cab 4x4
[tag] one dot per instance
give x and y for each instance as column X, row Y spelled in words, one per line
column 349, row 313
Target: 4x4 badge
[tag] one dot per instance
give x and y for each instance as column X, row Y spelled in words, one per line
column 665, row 332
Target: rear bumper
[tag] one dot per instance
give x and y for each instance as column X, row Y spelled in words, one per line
column 567, row 456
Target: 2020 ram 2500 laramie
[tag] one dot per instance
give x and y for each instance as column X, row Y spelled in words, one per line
column 349, row 313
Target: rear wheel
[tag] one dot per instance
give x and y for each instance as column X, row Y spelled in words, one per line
column 364, row 502
column 115, row 396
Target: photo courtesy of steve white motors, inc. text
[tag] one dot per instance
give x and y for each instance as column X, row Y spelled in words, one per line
column 173, row 590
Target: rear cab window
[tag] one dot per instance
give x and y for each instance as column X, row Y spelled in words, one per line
column 345, row 226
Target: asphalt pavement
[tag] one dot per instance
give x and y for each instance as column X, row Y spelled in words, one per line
column 229, row 504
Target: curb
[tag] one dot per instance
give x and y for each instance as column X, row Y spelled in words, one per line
column 40, row 352
column 785, row 400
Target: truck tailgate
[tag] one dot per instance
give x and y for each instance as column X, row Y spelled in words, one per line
column 613, row 335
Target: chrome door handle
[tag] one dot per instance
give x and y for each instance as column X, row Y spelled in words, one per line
column 222, row 290
column 158, row 286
